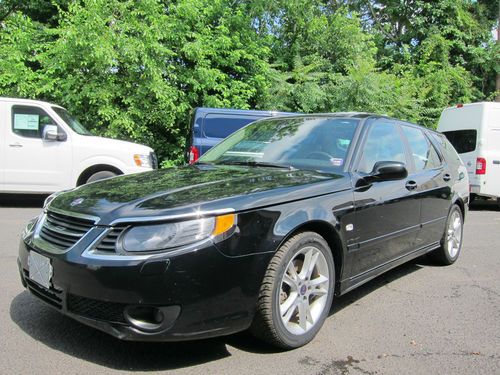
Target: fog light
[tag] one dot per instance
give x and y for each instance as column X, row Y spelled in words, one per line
column 151, row 318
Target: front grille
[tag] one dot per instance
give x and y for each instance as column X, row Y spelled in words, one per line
column 50, row 296
column 108, row 243
column 63, row 231
column 94, row 309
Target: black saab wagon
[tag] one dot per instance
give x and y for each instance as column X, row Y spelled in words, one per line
column 260, row 234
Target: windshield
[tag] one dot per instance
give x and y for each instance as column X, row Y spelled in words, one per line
column 72, row 122
column 317, row 143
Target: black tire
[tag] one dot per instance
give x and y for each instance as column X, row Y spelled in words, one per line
column 444, row 255
column 267, row 324
column 101, row 175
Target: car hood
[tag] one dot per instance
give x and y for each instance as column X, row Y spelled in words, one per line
column 114, row 144
column 191, row 190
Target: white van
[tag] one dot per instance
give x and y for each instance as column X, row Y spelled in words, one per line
column 44, row 149
column 474, row 131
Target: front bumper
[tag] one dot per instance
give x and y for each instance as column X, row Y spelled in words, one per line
column 202, row 293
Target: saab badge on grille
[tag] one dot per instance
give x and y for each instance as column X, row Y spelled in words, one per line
column 76, row 202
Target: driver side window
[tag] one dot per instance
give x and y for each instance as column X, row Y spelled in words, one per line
column 29, row 121
column 383, row 143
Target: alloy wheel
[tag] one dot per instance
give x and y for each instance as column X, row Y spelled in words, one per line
column 304, row 290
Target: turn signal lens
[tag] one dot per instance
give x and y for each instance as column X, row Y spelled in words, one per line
column 224, row 223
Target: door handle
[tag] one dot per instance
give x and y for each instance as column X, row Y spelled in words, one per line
column 17, row 144
column 447, row 177
column 411, row 185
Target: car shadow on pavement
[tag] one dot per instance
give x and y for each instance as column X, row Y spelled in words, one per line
column 66, row 335
column 403, row 270
column 484, row 205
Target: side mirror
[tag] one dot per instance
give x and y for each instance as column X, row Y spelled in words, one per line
column 388, row 170
column 51, row 133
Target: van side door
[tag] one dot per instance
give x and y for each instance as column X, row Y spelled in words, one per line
column 35, row 163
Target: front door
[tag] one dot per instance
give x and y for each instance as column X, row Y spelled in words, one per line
column 387, row 213
column 31, row 163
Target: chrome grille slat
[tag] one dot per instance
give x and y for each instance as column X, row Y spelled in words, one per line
column 61, row 236
column 56, row 241
column 66, row 223
column 108, row 243
column 63, row 231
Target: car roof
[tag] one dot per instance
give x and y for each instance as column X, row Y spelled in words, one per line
column 205, row 110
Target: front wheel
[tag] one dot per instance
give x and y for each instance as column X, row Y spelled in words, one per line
column 451, row 243
column 101, row 175
column 296, row 293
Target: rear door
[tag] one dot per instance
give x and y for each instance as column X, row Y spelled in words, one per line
column 31, row 163
column 433, row 188
column 387, row 213
column 491, row 186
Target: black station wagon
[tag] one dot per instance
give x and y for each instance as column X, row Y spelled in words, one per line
column 261, row 233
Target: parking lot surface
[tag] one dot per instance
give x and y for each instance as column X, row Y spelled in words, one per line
column 418, row 319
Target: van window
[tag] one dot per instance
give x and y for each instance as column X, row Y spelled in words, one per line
column 462, row 140
column 71, row 121
column 29, row 121
column 424, row 154
column 217, row 126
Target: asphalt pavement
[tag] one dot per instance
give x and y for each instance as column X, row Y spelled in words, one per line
column 415, row 319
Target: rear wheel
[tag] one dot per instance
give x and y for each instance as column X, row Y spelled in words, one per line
column 101, row 175
column 451, row 243
column 296, row 293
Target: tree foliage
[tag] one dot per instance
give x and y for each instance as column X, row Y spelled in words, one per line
column 135, row 70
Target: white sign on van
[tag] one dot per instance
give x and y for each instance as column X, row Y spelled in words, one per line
column 26, row 122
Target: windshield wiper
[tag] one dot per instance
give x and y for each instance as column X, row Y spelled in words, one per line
column 253, row 163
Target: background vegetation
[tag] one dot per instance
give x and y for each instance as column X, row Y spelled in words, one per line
column 135, row 69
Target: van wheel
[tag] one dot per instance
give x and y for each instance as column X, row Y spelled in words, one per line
column 296, row 293
column 451, row 243
column 100, row 176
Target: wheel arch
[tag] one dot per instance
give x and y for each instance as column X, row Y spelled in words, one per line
column 331, row 236
column 94, row 169
column 460, row 203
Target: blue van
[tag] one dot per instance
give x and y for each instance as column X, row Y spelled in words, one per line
column 209, row 126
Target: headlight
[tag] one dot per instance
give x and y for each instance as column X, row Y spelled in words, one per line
column 171, row 235
column 143, row 160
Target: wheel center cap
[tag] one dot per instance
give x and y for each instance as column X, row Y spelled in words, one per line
column 303, row 290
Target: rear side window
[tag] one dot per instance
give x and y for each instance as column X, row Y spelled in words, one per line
column 463, row 140
column 29, row 121
column 447, row 149
column 424, row 154
column 220, row 126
